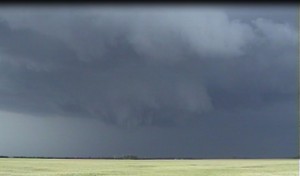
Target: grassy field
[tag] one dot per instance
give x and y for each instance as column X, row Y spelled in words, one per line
column 77, row 167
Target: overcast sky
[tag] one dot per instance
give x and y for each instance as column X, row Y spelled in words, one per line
column 158, row 81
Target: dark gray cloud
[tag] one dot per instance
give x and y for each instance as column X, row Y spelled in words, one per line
column 192, row 81
column 142, row 66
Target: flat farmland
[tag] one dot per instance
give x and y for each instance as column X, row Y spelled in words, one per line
column 106, row 167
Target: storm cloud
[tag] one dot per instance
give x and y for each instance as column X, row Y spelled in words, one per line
column 142, row 66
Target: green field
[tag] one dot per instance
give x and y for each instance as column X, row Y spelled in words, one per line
column 85, row 167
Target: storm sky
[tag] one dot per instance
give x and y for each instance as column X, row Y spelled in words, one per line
column 157, row 81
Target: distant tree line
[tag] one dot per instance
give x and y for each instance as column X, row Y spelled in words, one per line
column 4, row 157
column 45, row 157
column 134, row 157
column 127, row 157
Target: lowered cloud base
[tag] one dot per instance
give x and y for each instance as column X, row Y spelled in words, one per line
column 142, row 66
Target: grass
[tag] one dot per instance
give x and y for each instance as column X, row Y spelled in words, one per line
column 85, row 167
